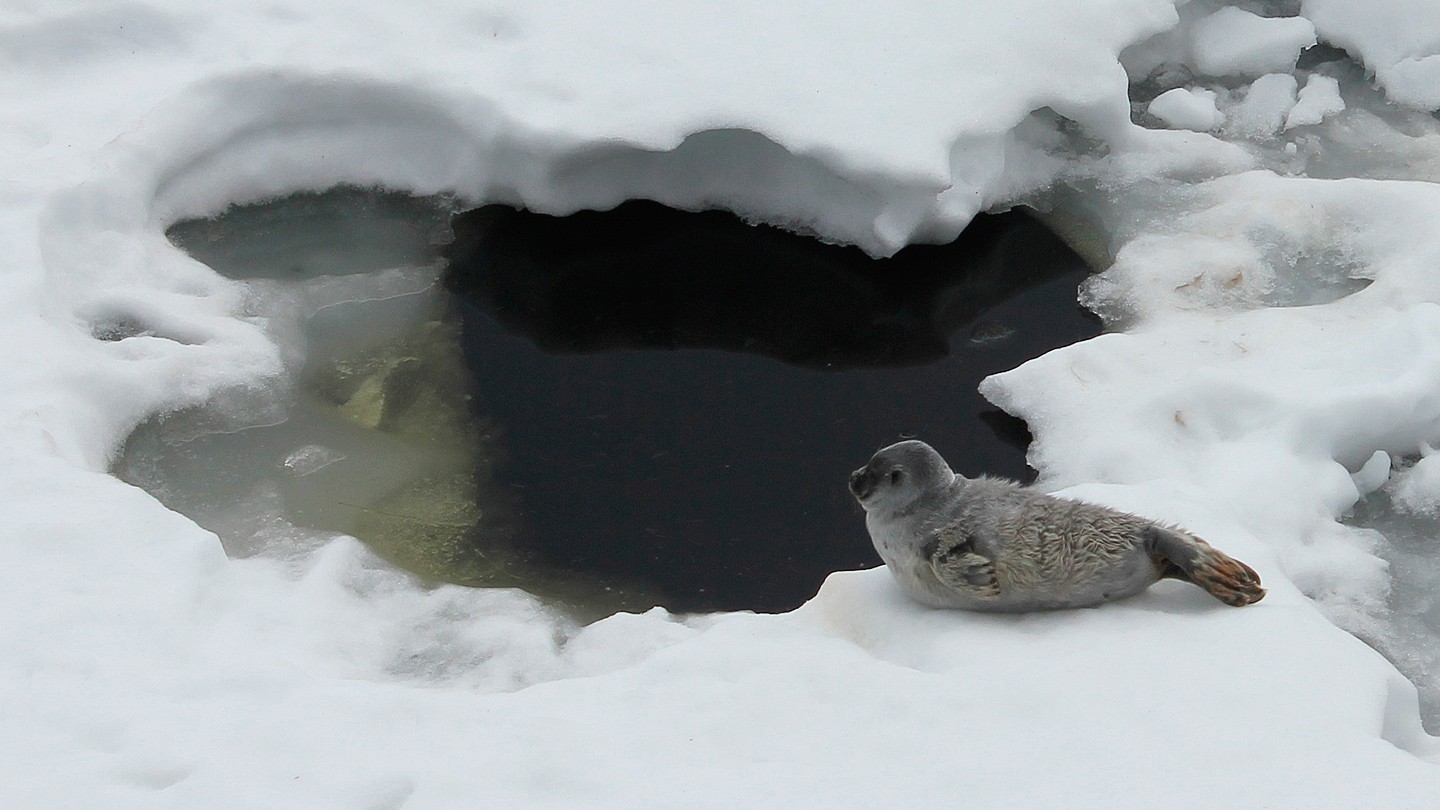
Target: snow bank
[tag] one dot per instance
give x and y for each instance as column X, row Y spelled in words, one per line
column 507, row 103
column 146, row 669
column 1397, row 39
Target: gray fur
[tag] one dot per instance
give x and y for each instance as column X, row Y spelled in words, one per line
column 992, row 545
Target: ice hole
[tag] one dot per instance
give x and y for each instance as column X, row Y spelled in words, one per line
column 611, row 410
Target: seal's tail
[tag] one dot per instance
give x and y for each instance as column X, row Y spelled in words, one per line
column 1184, row 556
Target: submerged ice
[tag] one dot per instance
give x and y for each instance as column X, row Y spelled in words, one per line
column 371, row 433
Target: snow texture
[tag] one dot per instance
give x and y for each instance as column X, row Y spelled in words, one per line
column 1250, row 383
column 1188, row 108
column 1263, row 110
column 1319, row 98
column 1234, row 42
column 1397, row 39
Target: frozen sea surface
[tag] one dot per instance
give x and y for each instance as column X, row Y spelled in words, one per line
column 1275, row 323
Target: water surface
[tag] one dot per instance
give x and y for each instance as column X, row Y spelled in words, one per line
column 683, row 395
column 612, row 410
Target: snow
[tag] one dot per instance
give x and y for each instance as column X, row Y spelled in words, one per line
column 1187, row 108
column 1277, row 346
column 1417, row 491
column 1263, row 111
column 1234, row 42
column 1397, row 39
column 1319, row 98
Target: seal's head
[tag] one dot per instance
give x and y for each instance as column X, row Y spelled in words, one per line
column 898, row 475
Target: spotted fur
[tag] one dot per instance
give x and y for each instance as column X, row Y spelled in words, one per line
column 993, row 545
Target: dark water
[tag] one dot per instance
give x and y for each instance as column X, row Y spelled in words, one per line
column 681, row 396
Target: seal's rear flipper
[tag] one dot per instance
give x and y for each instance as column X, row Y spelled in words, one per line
column 1185, row 556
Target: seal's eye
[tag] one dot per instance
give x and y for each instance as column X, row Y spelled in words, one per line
column 895, row 477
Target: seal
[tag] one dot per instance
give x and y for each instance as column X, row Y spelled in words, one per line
column 992, row 545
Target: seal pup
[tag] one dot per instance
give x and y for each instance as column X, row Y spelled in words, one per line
column 990, row 544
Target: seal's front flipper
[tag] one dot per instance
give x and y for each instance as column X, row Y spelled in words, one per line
column 1185, row 556
column 956, row 563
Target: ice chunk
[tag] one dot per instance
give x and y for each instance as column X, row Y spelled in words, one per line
column 1373, row 474
column 1232, row 42
column 1264, row 109
column 1417, row 490
column 1188, row 108
column 1319, row 98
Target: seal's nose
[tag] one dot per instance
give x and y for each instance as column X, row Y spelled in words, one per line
column 861, row 483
